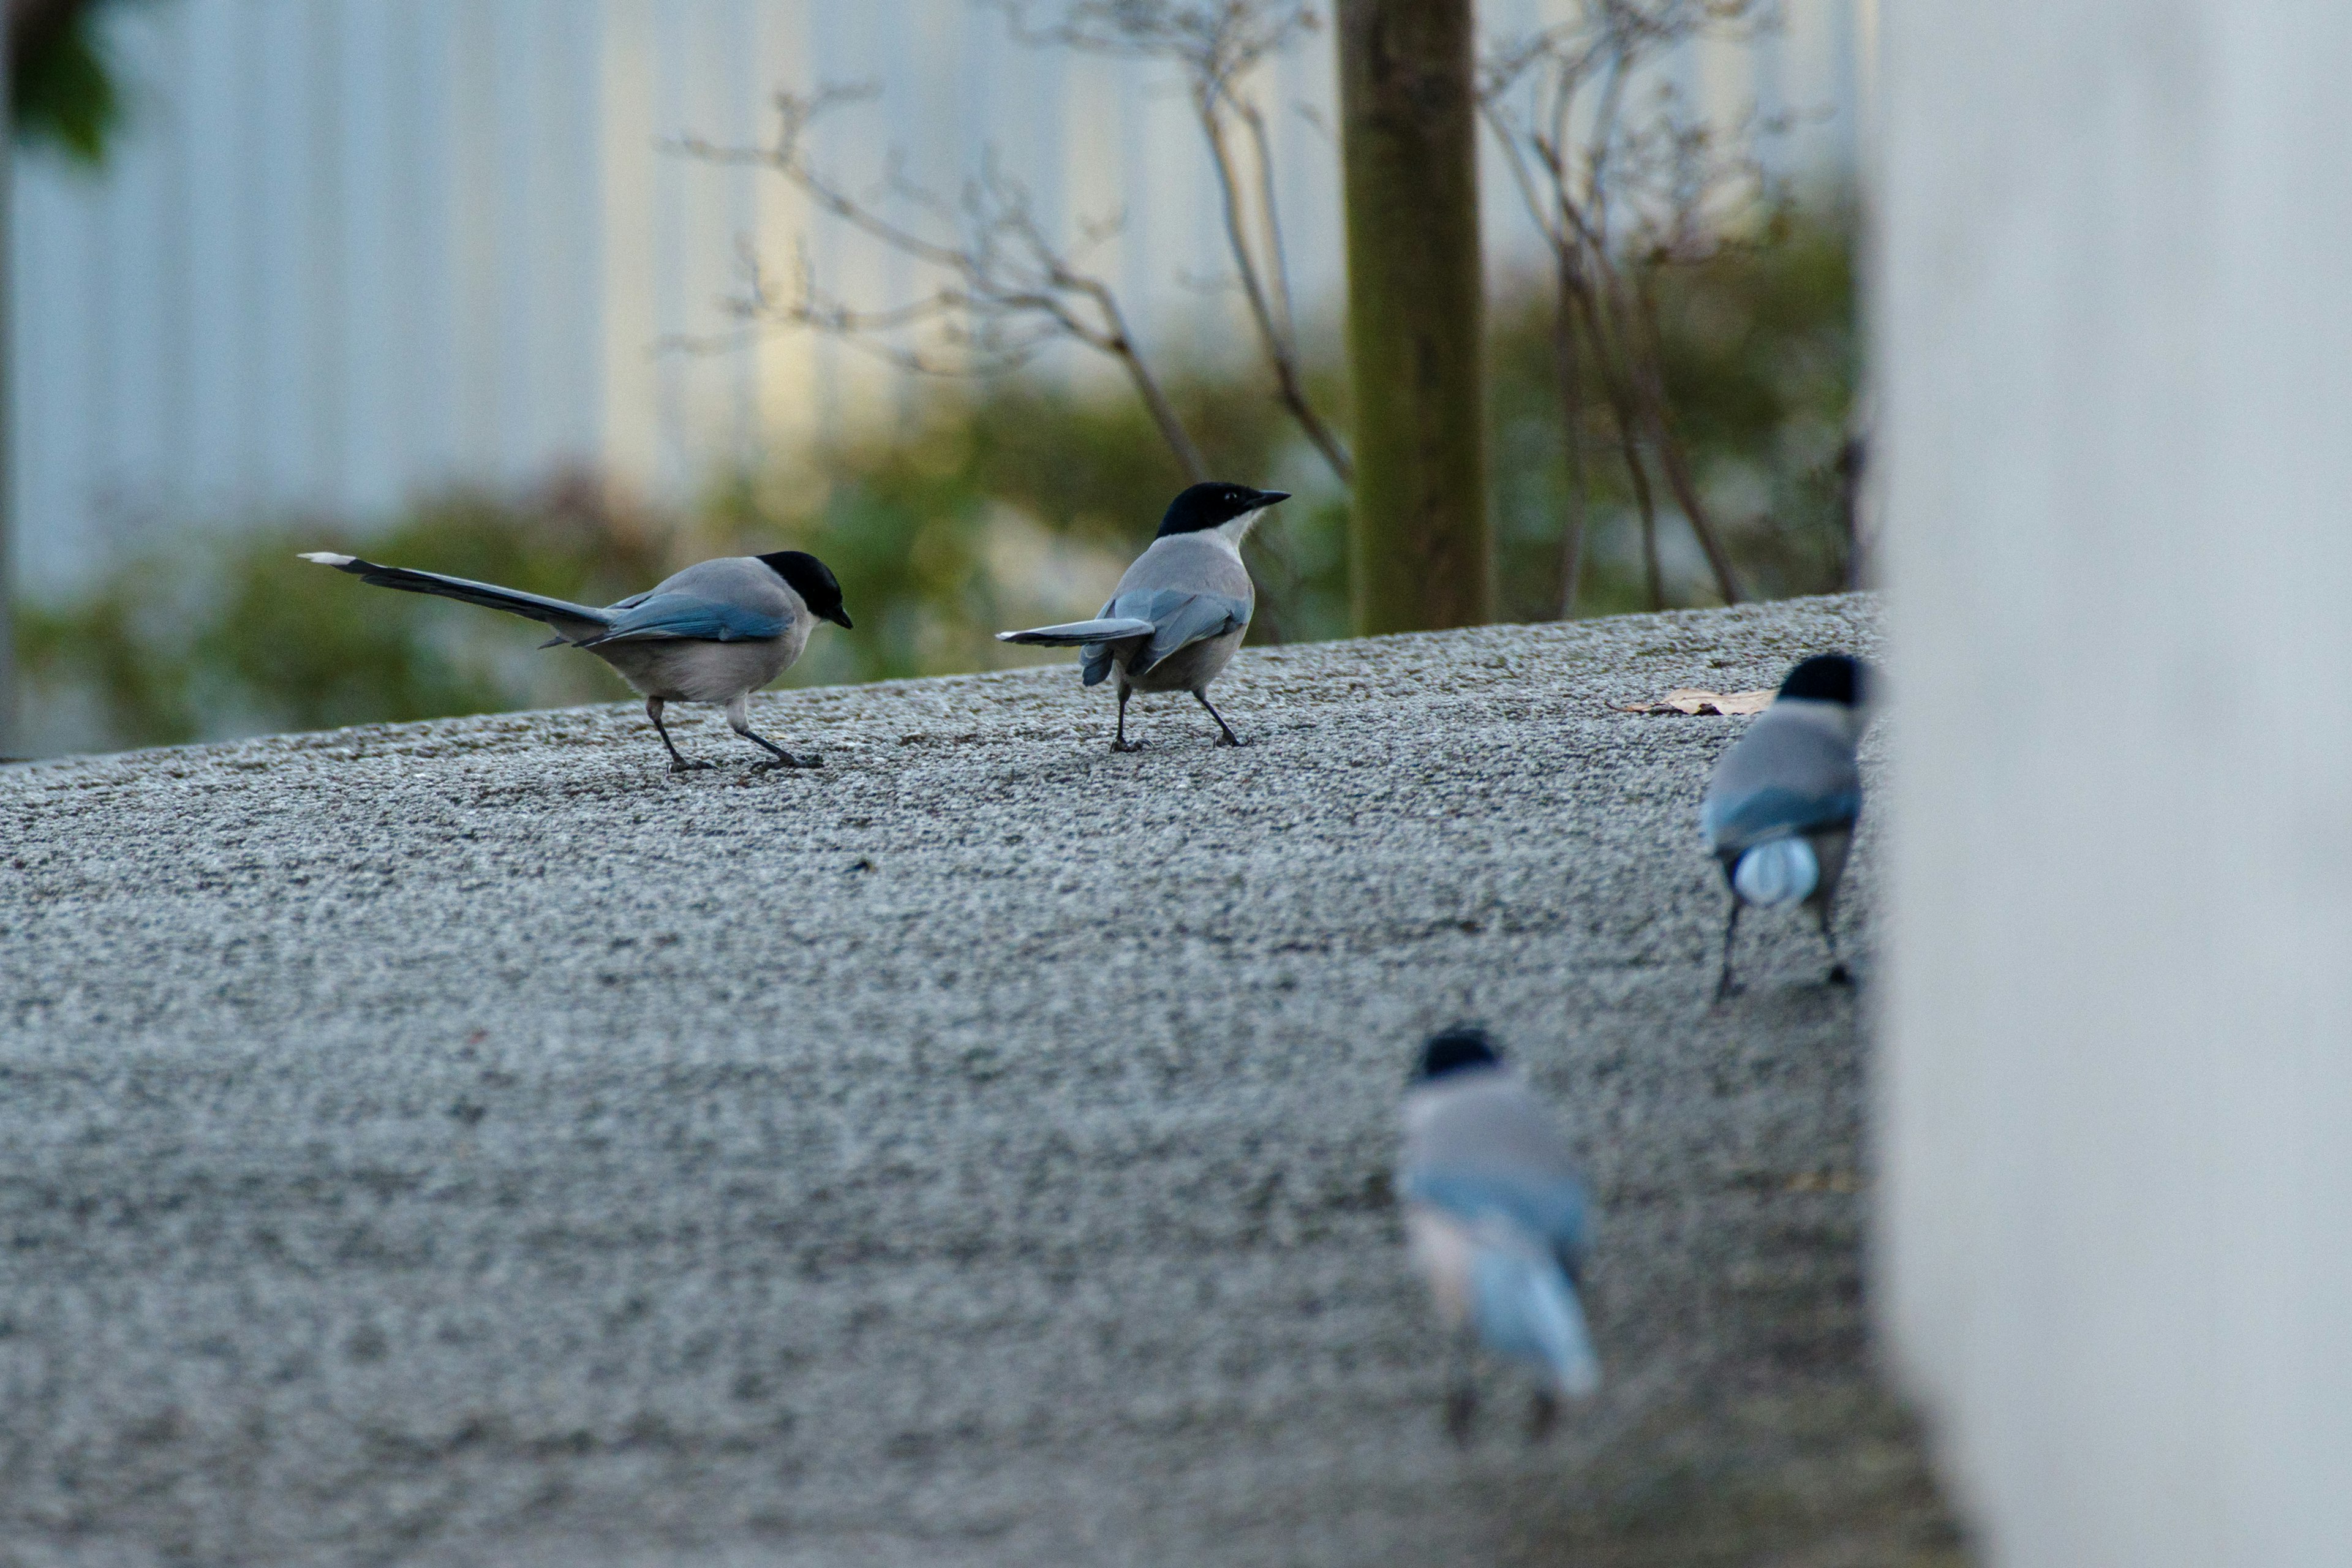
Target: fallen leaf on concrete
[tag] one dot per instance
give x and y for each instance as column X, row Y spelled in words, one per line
column 1692, row 700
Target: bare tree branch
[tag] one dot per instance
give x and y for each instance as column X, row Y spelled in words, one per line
column 1673, row 456
column 1217, row 45
column 1622, row 182
column 1007, row 291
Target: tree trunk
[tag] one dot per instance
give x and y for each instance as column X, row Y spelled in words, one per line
column 1416, row 337
column 8, row 731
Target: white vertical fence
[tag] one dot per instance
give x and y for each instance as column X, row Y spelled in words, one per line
column 2115, row 1111
column 354, row 248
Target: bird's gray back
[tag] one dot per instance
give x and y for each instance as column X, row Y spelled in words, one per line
column 1489, row 1123
column 1790, row 770
column 1192, row 563
column 1481, row 1145
column 733, row 580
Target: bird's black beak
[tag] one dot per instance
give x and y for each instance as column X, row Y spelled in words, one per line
column 840, row 617
column 1267, row 497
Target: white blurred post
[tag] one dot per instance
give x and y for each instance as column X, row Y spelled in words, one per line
column 2113, row 329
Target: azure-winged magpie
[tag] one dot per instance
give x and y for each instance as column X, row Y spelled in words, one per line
column 1180, row 612
column 1779, row 810
column 1494, row 1217
column 714, row 633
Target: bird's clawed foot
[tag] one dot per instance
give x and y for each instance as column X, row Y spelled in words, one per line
column 680, row 765
column 1225, row 736
column 1840, row 974
column 1543, row 1414
column 1727, row 988
column 1124, row 746
column 1461, row 1411
column 785, row 760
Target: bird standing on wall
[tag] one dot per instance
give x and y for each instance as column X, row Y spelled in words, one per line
column 1495, row 1217
column 1179, row 614
column 713, row 633
column 1780, row 809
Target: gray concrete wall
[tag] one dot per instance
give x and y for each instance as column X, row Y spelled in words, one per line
column 2116, row 1097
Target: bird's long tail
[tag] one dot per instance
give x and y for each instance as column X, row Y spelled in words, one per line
column 1777, row 872
column 1110, row 628
column 560, row 614
column 1526, row 1308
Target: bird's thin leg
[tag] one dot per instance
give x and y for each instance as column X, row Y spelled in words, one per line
column 677, row 764
column 1724, row 987
column 1227, row 738
column 1838, row 973
column 1122, row 744
column 738, row 719
column 1461, row 1390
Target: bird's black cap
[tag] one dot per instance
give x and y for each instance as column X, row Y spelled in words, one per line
column 1457, row 1050
column 1830, row 678
column 1213, row 505
column 814, row 581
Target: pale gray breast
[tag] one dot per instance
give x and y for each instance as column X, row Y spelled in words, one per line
column 1192, row 563
column 687, row 670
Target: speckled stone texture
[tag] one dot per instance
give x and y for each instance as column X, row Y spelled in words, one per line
column 468, row 1142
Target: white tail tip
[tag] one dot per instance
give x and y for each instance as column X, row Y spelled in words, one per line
column 327, row 558
column 1777, row 871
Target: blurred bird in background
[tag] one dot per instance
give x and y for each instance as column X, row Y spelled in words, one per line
column 1779, row 810
column 714, row 633
column 1180, row 612
column 1494, row 1217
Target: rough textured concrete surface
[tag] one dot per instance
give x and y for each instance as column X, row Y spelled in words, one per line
column 468, row 1142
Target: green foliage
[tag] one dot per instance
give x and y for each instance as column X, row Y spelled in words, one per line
column 231, row 634
column 1760, row 360
column 62, row 91
column 988, row 506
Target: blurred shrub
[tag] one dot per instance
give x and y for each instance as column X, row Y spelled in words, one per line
column 1761, row 364
column 986, row 507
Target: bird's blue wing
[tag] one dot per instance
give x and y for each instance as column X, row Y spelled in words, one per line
column 1179, row 620
column 691, row 617
column 1548, row 1208
column 1732, row 822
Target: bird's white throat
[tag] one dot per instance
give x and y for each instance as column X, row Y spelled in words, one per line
column 1237, row 529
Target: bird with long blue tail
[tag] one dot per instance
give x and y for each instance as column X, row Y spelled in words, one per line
column 714, row 633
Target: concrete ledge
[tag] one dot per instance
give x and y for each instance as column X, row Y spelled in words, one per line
column 467, row 1142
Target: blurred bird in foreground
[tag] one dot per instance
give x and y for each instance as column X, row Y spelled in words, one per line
column 1495, row 1217
column 1780, row 811
column 713, row 633
column 1179, row 614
